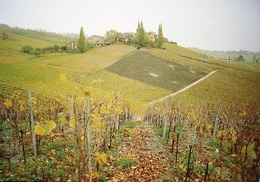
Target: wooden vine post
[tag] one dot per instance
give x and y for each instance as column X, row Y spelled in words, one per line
column 166, row 118
column 215, row 124
column 206, row 172
column 89, row 135
column 78, row 147
column 177, row 146
column 117, row 114
column 188, row 167
column 32, row 124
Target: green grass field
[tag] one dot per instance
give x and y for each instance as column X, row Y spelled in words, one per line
column 141, row 76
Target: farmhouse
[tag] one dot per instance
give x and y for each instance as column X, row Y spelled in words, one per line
column 97, row 40
column 232, row 58
column 153, row 36
column 73, row 44
column 125, row 38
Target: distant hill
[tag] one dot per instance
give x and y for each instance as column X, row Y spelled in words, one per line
column 2, row 25
column 228, row 55
column 18, row 37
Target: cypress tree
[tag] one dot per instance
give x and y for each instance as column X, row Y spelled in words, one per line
column 82, row 41
column 140, row 36
column 160, row 37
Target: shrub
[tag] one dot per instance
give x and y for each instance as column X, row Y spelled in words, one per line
column 27, row 48
column 35, row 51
column 240, row 58
column 5, row 36
column 63, row 48
column 56, row 47
column 32, row 52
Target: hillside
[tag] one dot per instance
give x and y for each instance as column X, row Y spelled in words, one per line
column 233, row 83
column 141, row 76
column 128, row 130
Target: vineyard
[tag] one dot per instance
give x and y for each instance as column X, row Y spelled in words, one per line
column 87, row 116
column 81, row 139
column 49, row 139
column 215, row 142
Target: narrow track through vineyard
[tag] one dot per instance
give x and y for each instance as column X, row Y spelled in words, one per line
column 183, row 89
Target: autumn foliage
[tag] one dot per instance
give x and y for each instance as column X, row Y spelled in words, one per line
column 211, row 143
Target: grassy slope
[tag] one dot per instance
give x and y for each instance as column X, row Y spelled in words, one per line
column 231, row 84
column 179, row 55
column 136, row 92
column 228, row 85
column 41, row 74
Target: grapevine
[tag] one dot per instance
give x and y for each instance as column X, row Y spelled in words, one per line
column 72, row 135
column 212, row 142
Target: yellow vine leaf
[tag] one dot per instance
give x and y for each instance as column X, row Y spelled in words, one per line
column 129, row 155
column 233, row 155
column 243, row 151
column 50, row 125
column 100, row 158
column 8, row 103
column 181, row 166
column 243, row 114
column 233, row 138
column 105, row 110
column 21, row 107
column 62, row 118
column 52, row 108
column 63, row 77
column 39, row 130
column 95, row 118
column 73, row 122
column 193, row 115
column 220, row 133
column 96, row 174
column 208, row 127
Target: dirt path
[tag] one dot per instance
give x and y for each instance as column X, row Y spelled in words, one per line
column 141, row 157
column 185, row 88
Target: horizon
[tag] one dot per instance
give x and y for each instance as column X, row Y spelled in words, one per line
column 216, row 25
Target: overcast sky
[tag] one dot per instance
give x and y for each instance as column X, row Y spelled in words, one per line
column 206, row 24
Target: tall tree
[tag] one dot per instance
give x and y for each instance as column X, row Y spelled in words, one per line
column 82, row 41
column 141, row 37
column 160, row 37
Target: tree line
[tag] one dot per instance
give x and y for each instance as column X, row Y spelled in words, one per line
column 141, row 38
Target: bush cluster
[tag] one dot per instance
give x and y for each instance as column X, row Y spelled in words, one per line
column 50, row 49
